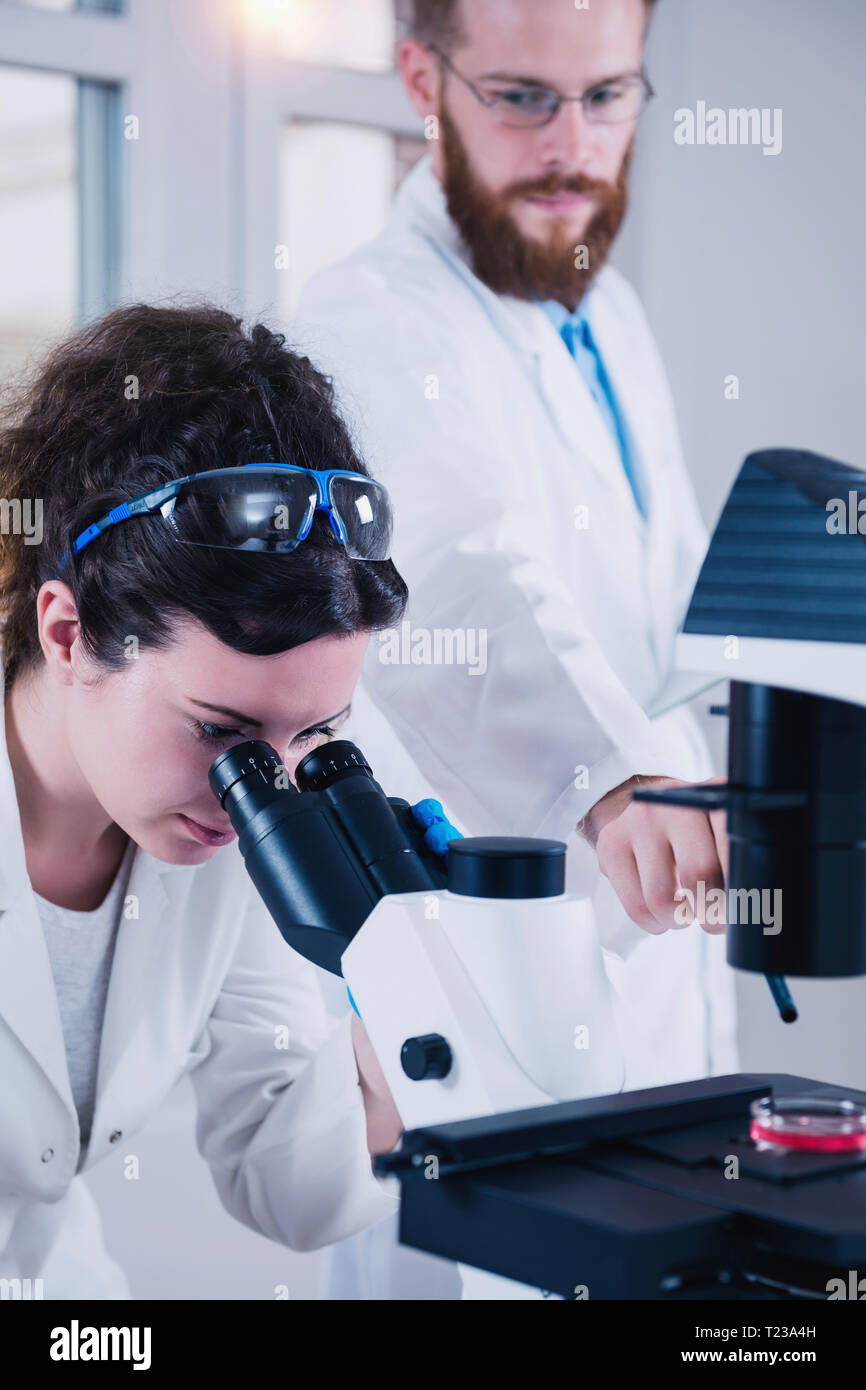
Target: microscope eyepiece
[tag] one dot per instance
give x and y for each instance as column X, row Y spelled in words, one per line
column 248, row 766
column 329, row 764
column 324, row 848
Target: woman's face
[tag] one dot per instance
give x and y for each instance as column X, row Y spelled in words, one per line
column 145, row 737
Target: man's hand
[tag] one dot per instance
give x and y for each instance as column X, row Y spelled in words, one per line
column 651, row 854
column 384, row 1126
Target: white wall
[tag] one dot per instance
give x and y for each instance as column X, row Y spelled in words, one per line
column 749, row 263
column 753, row 264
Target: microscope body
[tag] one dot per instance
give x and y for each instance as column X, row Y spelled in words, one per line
column 476, row 1006
column 484, row 991
column 482, row 986
column 779, row 610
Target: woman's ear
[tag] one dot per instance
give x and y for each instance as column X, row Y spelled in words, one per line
column 59, row 628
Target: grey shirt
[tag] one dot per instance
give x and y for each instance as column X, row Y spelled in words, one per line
column 81, row 949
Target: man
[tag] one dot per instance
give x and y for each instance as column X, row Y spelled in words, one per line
column 504, row 384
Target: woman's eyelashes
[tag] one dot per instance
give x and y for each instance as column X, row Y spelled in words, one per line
column 324, row 731
column 213, row 733
column 216, row 733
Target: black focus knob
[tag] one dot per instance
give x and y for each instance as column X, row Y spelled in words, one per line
column 426, row 1057
column 506, row 866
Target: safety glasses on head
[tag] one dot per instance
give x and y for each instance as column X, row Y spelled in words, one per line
column 263, row 506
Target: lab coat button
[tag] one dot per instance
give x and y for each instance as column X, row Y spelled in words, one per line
column 48, row 1155
column 115, row 1135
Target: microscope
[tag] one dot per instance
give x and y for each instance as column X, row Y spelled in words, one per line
column 482, row 986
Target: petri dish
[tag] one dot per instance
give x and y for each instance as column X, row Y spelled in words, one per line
column 816, row 1123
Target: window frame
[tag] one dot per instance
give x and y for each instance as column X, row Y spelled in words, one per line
column 171, row 224
column 289, row 91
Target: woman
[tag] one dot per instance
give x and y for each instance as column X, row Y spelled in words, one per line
column 132, row 945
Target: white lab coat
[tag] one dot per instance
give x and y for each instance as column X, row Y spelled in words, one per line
column 514, row 516
column 201, row 981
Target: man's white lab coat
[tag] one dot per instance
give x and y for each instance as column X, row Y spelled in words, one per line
column 201, row 981
column 516, row 526
column 515, row 519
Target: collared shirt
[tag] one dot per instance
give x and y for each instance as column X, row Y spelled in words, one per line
column 574, row 330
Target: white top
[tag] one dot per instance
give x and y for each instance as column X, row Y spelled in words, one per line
column 81, row 948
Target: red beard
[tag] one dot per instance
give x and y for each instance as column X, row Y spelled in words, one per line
column 505, row 259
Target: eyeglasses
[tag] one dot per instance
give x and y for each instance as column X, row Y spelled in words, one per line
column 608, row 103
column 262, row 506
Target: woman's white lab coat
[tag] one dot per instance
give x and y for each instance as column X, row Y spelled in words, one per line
column 201, row 981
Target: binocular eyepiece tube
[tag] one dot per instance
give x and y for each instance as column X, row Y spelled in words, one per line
column 323, row 850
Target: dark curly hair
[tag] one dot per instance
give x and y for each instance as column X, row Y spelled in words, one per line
column 196, row 388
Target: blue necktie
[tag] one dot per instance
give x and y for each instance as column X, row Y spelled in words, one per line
column 586, row 355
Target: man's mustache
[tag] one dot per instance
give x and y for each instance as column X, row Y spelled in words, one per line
column 555, row 183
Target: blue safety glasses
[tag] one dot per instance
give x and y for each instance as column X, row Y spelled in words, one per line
column 263, row 506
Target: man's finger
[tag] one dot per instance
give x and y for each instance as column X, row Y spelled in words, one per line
column 658, row 878
column 699, row 866
column 718, row 821
column 619, row 866
column 720, row 835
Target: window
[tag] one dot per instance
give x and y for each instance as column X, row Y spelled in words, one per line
column 39, row 278
column 151, row 150
column 59, row 179
column 359, row 34
column 49, row 4
column 337, row 183
column 331, row 126
column 58, row 233
column 107, row 6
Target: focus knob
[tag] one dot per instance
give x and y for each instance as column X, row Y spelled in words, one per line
column 506, row 866
column 426, row 1057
